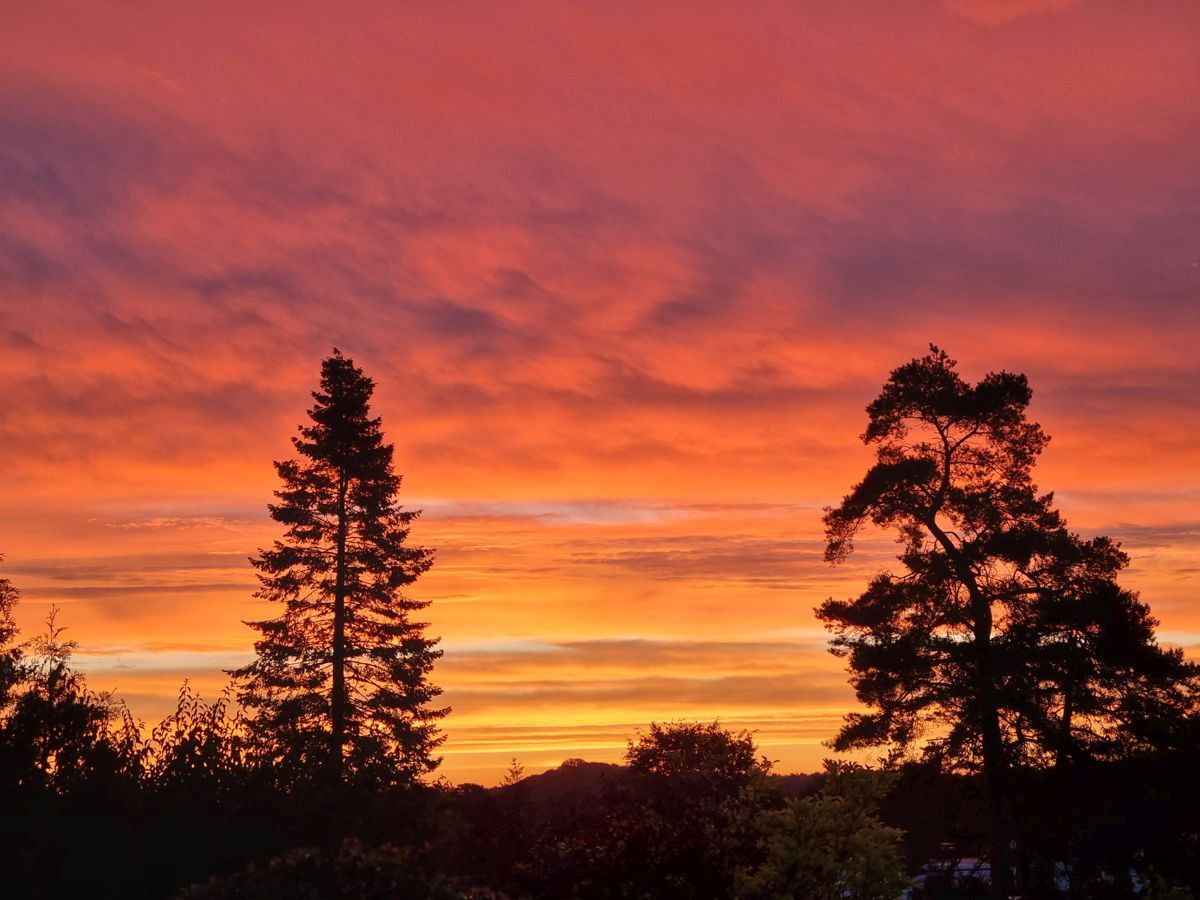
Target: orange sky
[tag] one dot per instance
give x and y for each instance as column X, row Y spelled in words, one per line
column 626, row 275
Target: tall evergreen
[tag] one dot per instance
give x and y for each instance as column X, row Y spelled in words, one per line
column 340, row 685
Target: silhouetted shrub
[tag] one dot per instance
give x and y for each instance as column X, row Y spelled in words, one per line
column 830, row 845
column 352, row 872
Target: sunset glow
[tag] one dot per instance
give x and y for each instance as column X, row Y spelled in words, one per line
column 625, row 275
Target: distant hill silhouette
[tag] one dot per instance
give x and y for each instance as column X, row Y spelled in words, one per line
column 576, row 777
column 571, row 779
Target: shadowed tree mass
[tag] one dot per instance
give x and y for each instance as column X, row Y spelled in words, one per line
column 1005, row 642
column 340, row 683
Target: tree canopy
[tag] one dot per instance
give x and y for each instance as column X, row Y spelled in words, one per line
column 1005, row 639
column 829, row 845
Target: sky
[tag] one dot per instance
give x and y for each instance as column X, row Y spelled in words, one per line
column 626, row 275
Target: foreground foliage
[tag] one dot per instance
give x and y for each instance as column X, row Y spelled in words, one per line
column 352, row 872
column 694, row 813
column 830, row 845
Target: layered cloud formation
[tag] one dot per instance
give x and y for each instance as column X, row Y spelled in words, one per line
column 626, row 275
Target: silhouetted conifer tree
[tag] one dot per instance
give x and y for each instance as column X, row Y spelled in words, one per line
column 1006, row 641
column 340, row 683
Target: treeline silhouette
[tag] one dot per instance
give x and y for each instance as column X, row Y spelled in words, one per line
column 1036, row 740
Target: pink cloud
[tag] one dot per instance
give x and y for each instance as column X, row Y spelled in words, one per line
column 616, row 256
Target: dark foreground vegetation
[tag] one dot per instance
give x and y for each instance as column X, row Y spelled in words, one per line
column 90, row 810
column 1037, row 741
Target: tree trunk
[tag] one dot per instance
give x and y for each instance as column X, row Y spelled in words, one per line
column 995, row 766
column 1063, row 755
column 995, row 771
column 337, row 737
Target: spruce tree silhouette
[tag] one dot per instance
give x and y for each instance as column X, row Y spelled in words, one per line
column 340, row 683
column 1006, row 642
